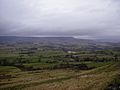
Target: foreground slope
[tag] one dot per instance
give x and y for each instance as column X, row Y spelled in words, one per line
column 95, row 79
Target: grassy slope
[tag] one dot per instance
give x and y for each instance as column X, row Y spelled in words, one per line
column 95, row 79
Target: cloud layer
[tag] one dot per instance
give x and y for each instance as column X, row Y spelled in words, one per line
column 82, row 18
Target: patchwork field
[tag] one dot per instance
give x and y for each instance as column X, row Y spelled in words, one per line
column 58, row 64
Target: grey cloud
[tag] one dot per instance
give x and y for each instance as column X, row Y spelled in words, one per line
column 82, row 18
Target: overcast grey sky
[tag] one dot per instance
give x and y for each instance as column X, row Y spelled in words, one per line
column 82, row 18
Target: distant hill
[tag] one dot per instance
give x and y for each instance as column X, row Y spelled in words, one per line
column 60, row 42
column 53, row 40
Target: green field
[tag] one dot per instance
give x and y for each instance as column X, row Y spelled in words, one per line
column 59, row 70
